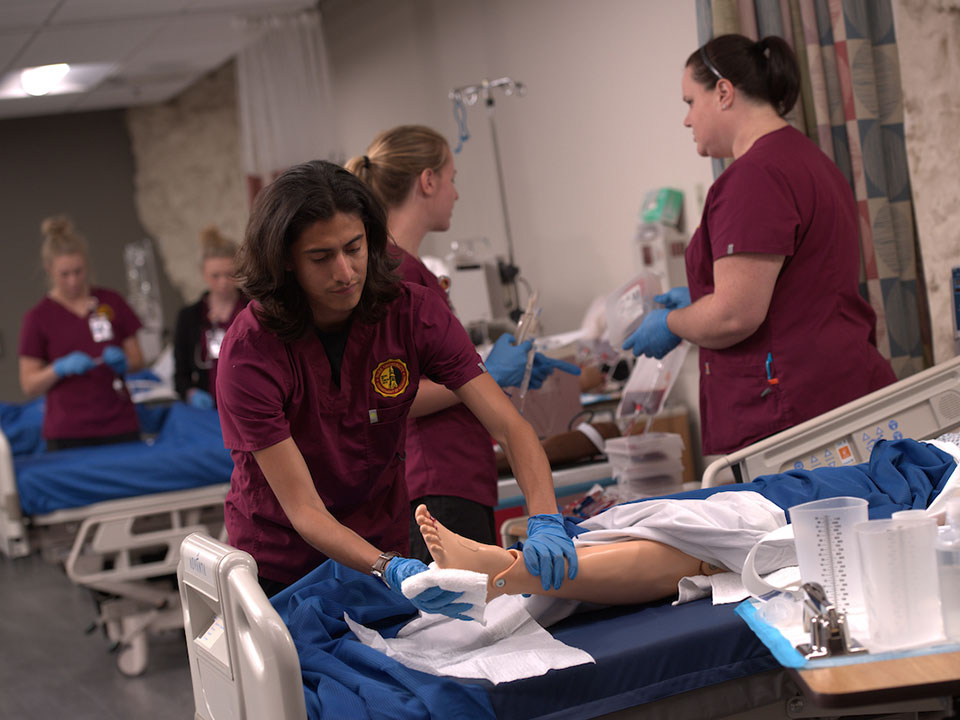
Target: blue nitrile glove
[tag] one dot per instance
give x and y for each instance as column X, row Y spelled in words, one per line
column 200, row 399
column 506, row 361
column 434, row 600
column 653, row 337
column 545, row 548
column 674, row 298
column 75, row 363
column 116, row 358
column 543, row 366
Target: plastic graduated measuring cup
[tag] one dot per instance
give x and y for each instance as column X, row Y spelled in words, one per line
column 827, row 550
column 901, row 591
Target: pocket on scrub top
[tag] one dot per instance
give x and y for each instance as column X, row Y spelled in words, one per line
column 743, row 406
column 385, row 435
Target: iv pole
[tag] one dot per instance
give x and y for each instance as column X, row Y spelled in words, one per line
column 469, row 95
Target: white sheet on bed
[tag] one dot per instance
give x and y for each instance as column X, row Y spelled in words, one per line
column 511, row 645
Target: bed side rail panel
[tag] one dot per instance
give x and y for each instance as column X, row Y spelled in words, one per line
column 243, row 663
column 14, row 541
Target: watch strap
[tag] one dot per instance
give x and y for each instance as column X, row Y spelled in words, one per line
column 379, row 566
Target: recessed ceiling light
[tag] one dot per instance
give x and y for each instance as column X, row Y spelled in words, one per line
column 41, row 80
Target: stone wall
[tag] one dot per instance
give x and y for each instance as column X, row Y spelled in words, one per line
column 928, row 37
column 189, row 173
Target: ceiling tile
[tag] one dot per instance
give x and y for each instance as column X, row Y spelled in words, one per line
column 10, row 47
column 24, row 14
column 80, row 11
column 89, row 43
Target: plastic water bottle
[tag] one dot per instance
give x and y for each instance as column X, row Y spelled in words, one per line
column 948, row 569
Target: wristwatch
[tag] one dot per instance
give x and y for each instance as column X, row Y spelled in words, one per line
column 380, row 565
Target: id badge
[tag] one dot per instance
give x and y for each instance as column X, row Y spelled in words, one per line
column 101, row 328
column 214, row 341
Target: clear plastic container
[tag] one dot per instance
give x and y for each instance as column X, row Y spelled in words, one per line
column 948, row 570
column 827, row 550
column 627, row 305
column 648, row 479
column 645, row 447
column 899, row 574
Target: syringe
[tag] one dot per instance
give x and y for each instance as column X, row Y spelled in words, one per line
column 528, row 370
column 525, row 329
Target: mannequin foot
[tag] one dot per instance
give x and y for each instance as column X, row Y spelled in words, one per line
column 452, row 551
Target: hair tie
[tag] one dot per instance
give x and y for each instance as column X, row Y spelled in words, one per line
column 764, row 47
column 366, row 162
column 710, row 65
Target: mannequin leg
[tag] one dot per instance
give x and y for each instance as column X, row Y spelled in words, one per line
column 622, row 573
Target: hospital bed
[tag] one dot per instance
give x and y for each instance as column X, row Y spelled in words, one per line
column 657, row 660
column 116, row 515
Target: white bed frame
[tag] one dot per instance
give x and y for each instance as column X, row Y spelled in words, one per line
column 921, row 406
column 125, row 550
column 244, row 665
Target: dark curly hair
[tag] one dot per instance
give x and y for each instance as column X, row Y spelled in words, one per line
column 298, row 198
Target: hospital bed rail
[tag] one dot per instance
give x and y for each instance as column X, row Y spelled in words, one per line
column 921, row 407
column 245, row 676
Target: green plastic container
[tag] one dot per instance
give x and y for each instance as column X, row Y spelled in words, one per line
column 664, row 205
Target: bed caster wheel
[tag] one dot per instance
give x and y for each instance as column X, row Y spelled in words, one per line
column 132, row 656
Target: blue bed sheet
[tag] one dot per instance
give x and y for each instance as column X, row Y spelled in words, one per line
column 643, row 653
column 187, row 452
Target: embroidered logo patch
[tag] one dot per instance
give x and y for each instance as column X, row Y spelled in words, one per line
column 390, row 378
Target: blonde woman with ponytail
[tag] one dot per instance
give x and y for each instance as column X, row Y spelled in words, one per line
column 450, row 463
column 75, row 347
column 200, row 327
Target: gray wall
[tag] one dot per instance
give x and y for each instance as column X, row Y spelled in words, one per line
column 80, row 165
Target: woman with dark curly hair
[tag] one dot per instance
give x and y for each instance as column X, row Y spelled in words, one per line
column 316, row 377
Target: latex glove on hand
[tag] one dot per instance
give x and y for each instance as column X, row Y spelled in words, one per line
column 653, row 338
column 674, row 299
column 116, row 358
column 507, row 362
column 75, row 363
column 545, row 549
column 434, row 600
column 200, row 399
column 543, row 366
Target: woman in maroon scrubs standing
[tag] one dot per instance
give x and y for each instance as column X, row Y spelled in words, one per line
column 773, row 269
column 75, row 346
column 451, row 467
column 315, row 380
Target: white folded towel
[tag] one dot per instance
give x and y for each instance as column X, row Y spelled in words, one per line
column 473, row 585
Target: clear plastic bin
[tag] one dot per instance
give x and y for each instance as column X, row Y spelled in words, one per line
column 651, row 446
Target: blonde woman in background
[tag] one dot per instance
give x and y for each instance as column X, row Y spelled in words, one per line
column 75, row 346
column 201, row 326
column 450, row 463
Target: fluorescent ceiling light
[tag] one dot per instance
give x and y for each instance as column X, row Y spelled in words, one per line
column 41, row 80
column 81, row 77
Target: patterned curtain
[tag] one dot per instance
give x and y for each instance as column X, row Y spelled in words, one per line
column 851, row 105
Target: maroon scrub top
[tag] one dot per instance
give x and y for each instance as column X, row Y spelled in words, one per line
column 784, row 196
column 351, row 437
column 81, row 406
column 448, row 452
